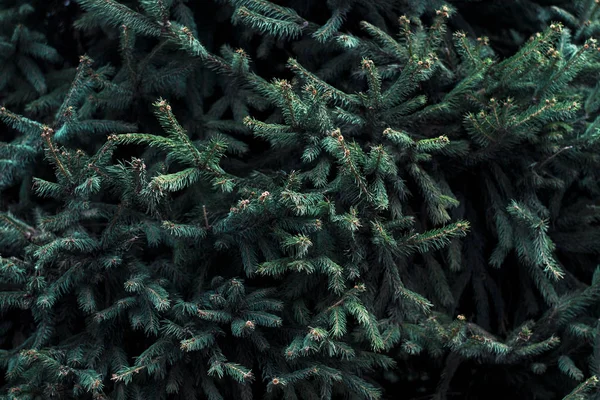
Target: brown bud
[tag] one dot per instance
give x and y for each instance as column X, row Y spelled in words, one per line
column 264, row 195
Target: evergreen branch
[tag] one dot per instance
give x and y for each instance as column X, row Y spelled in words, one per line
column 116, row 14
column 542, row 243
column 555, row 76
column 184, row 37
column 83, row 71
column 527, row 50
column 385, row 40
column 269, row 9
column 337, row 95
column 126, row 48
column 21, row 123
column 332, row 25
column 347, row 160
column 437, row 238
column 125, row 375
column 279, row 28
column 568, row 367
column 47, row 136
column 176, row 181
column 170, row 124
column 584, row 387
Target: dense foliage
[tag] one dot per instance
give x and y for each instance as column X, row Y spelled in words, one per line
column 301, row 199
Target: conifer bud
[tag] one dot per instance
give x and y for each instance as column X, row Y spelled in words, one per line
column 462, row 226
column 248, row 121
column 263, row 196
column 316, row 335
column 47, row 131
column 85, row 60
column 311, row 89
column 483, row 40
column 555, row 27
column 525, row 334
column 443, row 12
column 360, row 287
column 187, row 31
column 404, row 20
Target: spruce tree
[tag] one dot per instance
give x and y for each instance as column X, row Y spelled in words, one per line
column 247, row 199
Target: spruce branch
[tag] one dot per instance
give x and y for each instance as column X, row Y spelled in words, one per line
column 584, row 387
column 170, row 124
column 47, row 136
column 117, row 14
column 589, row 44
column 281, row 28
column 83, row 72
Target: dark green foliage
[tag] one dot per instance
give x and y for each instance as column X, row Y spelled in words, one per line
column 302, row 200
